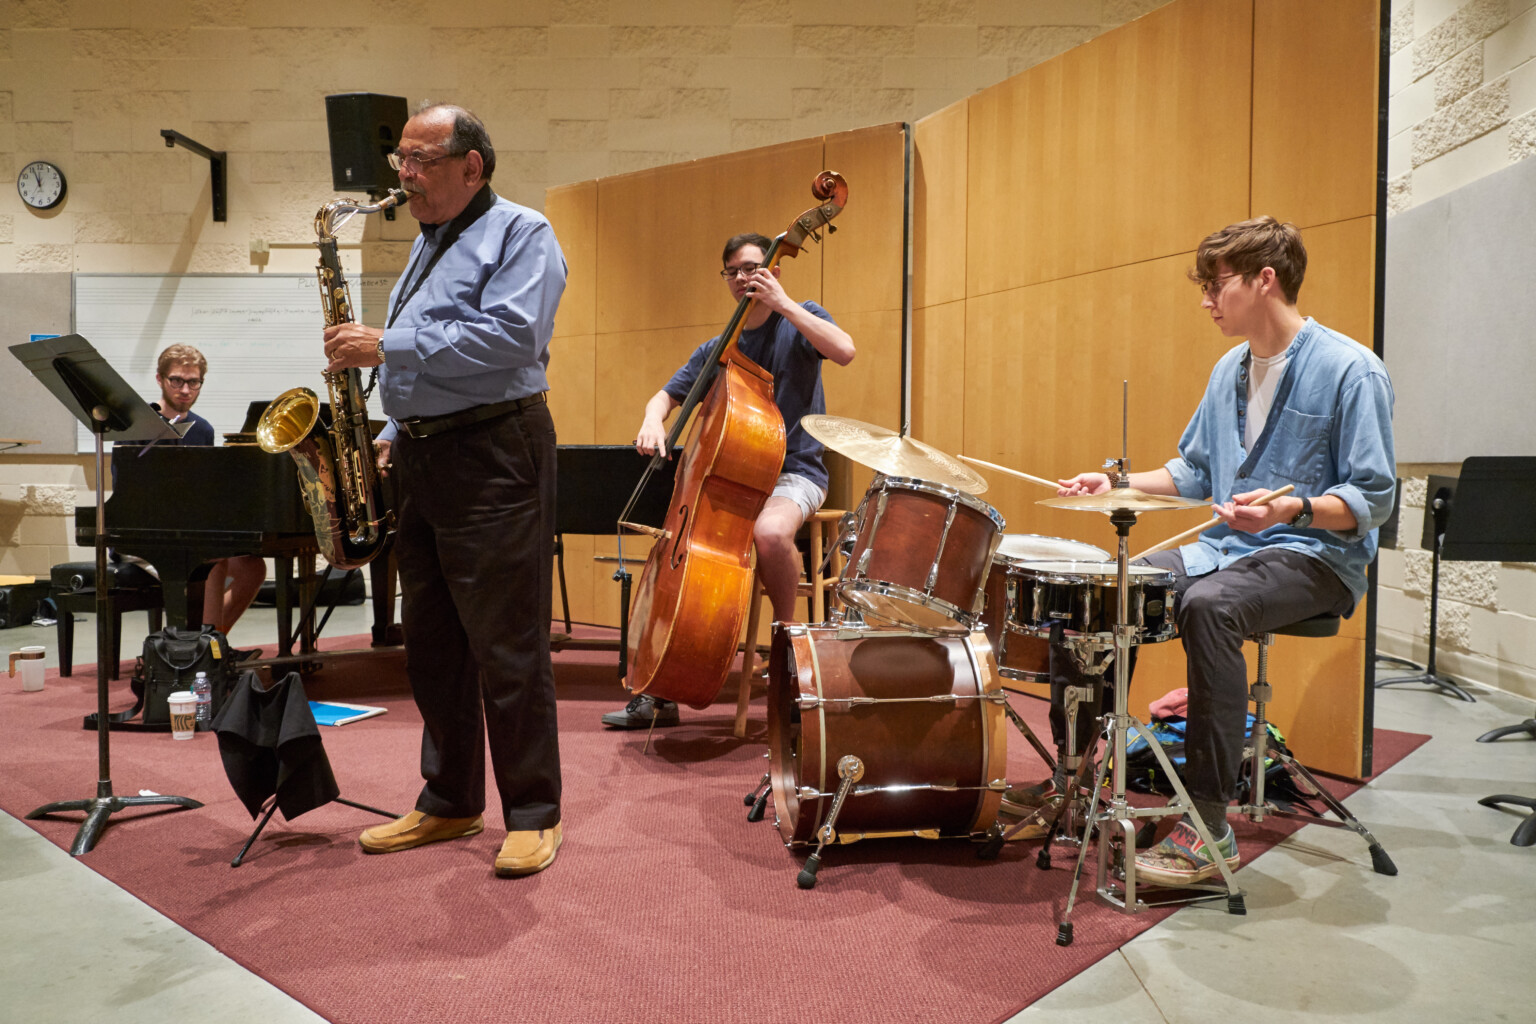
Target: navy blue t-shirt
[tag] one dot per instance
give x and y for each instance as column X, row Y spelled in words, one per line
column 778, row 347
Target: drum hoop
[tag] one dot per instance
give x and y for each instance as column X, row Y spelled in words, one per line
column 1137, row 574
column 965, row 621
column 1012, row 560
column 908, row 483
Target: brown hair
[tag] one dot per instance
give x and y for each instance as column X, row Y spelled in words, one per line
column 735, row 242
column 181, row 354
column 1249, row 246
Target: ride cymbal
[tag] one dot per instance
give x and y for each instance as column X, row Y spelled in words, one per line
column 1117, row 499
column 888, row 452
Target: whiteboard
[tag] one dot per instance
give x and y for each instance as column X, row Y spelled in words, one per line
column 259, row 332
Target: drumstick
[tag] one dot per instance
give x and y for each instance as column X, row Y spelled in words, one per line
column 1052, row 484
column 1177, row 539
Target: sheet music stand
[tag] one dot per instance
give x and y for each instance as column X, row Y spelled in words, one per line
column 1441, row 499
column 76, row 374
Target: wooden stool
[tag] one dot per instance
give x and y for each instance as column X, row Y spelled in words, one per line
column 822, row 528
column 129, row 589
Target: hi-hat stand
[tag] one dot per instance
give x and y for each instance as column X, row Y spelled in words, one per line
column 86, row 384
column 1117, row 822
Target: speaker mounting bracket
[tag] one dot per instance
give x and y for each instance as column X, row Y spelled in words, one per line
column 218, row 160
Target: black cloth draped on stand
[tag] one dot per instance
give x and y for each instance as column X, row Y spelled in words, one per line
column 271, row 745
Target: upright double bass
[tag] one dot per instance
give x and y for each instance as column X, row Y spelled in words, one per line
column 696, row 583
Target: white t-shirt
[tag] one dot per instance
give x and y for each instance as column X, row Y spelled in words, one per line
column 1263, row 376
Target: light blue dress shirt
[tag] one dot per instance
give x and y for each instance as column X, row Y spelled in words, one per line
column 1329, row 432
column 477, row 329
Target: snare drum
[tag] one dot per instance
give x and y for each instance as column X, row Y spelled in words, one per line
column 1083, row 596
column 920, row 556
column 1022, row 655
column 923, row 713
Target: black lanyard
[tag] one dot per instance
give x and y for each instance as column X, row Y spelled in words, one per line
column 481, row 202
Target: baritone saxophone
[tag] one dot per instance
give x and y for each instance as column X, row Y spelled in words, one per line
column 338, row 465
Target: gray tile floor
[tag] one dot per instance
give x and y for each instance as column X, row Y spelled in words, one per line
column 1449, row 938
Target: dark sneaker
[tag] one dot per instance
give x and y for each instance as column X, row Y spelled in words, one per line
column 1183, row 858
column 638, row 714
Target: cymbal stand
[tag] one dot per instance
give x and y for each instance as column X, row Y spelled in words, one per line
column 1116, row 822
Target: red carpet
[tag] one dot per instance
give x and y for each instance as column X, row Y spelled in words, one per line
column 665, row 903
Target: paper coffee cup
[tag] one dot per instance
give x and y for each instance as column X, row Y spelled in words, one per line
column 183, row 714
column 29, row 662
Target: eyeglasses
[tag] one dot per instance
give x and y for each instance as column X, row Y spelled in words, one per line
column 192, row 383
column 399, row 160
column 1212, row 288
column 740, row 270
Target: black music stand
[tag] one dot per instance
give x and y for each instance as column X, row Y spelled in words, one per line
column 1437, row 519
column 1493, row 523
column 592, row 487
column 85, row 384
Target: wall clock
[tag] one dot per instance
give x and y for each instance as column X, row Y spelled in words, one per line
column 41, row 185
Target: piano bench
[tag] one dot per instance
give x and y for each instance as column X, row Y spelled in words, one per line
column 130, row 589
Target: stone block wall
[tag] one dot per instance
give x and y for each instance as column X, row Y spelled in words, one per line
column 1463, row 105
column 1463, row 94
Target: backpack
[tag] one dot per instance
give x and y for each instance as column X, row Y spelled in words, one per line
column 1145, row 775
column 171, row 660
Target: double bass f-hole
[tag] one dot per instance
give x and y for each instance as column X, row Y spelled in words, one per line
column 678, row 544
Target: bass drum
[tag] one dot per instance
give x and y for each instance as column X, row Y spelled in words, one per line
column 923, row 713
column 1020, row 655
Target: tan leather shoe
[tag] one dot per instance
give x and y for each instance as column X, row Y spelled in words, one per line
column 416, row 829
column 524, row 853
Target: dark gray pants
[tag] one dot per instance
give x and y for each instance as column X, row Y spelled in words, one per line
column 1215, row 613
column 475, row 542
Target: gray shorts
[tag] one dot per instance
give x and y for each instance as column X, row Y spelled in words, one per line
column 800, row 490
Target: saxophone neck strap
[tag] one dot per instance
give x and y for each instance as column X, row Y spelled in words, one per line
column 482, row 201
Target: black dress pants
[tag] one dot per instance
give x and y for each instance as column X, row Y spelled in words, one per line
column 475, row 543
column 1216, row 613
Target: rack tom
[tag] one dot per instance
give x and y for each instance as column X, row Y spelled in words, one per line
column 1083, row 596
column 923, row 713
column 920, row 556
column 1021, row 655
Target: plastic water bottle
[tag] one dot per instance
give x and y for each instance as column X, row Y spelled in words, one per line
column 204, row 693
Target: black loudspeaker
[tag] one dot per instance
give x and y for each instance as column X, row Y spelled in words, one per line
column 365, row 128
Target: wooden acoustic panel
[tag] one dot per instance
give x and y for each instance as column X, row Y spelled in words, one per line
column 1314, row 109
column 572, row 211
column 1340, row 285
column 864, row 259
column 938, row 206
column 939, row 401
column 572, row 395
column 1128, row 148
column 660, row 232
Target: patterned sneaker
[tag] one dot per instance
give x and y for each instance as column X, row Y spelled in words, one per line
column 1183, row 858
column 1022, row 801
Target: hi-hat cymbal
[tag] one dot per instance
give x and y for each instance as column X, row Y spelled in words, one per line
column 888, row 452
column 1122, row 499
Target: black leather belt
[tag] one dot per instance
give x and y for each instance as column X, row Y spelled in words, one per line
column 430, row 426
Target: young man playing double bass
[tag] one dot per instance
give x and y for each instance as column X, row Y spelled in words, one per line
column 788, row 339
column 1294, row 403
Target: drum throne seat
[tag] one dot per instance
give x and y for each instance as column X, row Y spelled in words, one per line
column 1303, row 781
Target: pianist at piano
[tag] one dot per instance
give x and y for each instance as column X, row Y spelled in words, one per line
column 181, row 371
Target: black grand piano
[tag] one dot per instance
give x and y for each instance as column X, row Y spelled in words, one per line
column 180, row 507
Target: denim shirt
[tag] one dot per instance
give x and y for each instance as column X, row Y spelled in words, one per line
column 1328, row 432
column 477, row 329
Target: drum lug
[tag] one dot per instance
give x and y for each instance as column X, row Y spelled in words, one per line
column 938, row 556
column 998, row 785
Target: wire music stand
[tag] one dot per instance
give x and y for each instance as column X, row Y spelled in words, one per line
column 1437, row 520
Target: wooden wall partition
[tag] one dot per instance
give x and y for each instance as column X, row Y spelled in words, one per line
column 1056, row 215
column 644, row 291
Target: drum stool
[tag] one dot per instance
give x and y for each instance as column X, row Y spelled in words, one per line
column 822, row 534
column 1258, row 805
column 129, row 589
